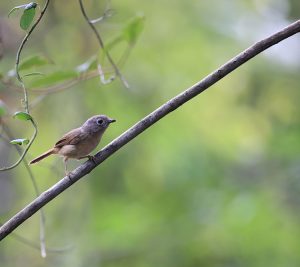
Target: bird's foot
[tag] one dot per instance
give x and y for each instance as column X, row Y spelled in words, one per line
column 92, row 158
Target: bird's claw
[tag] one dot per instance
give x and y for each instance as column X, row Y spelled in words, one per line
column 91, row 158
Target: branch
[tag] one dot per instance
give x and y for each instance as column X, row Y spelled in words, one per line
column 145, row 123
column 101, row 43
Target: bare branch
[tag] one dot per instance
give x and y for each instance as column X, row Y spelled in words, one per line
column 145, row 123
column 101, row 43
column 35, row 245
column 36, row 190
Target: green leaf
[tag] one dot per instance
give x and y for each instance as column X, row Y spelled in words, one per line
column 33, row 61
column 22, row 116
column 27, row 17
column 19, row 141
column 133, row 29
column 118, row 39
column 130, row 33
column 53, row 78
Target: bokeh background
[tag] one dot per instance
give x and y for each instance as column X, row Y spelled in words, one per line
column 215, row 183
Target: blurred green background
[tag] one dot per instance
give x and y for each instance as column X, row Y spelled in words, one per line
column 215, row 183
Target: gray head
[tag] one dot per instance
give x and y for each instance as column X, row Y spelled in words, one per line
column 97, row 123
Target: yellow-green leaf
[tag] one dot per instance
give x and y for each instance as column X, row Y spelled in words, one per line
column 53, row 78
column 33, row 61
column 134, row 28
column 22, row 116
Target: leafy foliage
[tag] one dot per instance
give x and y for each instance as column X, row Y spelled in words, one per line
column 133, row 29
column 27, row 17
column 53, row 78
column 33, row 61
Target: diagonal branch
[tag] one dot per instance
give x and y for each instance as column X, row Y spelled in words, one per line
column 145, row 123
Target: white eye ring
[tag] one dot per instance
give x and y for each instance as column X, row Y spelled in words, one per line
column 99, row 122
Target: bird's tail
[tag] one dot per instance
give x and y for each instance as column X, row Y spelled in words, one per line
column 44, row 155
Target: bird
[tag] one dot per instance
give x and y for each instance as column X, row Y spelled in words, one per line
column 80, row 142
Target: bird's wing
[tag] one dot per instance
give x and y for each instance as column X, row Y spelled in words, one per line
column 71, row 138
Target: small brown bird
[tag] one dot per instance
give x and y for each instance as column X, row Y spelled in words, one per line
column 79, row 142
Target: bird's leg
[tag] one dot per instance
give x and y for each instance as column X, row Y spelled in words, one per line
column 92, row 158
column 66, row 169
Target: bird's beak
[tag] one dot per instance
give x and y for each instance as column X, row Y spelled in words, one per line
column 112, row 120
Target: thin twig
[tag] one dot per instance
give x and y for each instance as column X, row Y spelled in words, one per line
column 145, row 123
column 25, row 150
column 10, row 136
column 59, row 87
column 56, row 87
column 25, row 39
column 101, row 43
column 37, row 246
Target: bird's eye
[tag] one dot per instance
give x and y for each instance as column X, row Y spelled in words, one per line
column 99, row 122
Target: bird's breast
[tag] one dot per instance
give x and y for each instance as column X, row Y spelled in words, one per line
column 87, row 145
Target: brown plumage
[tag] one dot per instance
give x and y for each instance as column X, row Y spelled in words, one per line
column 78, row 143
column 44, row 155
